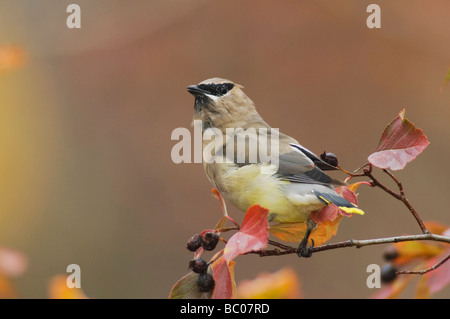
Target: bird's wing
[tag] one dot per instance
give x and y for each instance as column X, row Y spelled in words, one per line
column 295, row 163
column 297, row 167
column 313, row 157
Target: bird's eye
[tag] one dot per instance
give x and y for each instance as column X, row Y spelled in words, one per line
column 223, row 89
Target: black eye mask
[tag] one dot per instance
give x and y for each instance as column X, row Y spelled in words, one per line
column 216, row 89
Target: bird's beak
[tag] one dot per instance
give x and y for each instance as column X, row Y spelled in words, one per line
column 195, row 90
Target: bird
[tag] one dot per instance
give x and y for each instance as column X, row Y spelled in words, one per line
column 291, row 190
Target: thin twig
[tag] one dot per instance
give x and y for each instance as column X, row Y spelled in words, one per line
column 279, row 245
column 407, row 203
column 377, row 183
column 225, row 229
column 424, row 271
column 401, row 196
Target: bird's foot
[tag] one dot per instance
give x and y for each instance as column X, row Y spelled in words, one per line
column 304, row 250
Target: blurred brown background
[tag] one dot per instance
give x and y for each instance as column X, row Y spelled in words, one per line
column 86, row 172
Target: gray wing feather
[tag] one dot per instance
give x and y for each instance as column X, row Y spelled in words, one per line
column 298, row 168
column 319, row 162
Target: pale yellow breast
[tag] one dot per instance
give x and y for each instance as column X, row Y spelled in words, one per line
column 246, row 186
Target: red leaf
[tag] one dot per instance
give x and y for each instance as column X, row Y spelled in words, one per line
column 253, row 234
column 394, row 289
column 223, row 273
column 330, row 212
column 400, row 143
column 439, row 277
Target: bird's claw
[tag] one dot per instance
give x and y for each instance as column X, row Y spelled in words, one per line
column 304, row 250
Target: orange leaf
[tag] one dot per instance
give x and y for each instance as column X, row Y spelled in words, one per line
column 436, row 228
column 325, row 231
column 7, row 288
column 283, row 284
column 354, row 186
column 411, row 250
column 58, row 289
column 290, row 232
column 11, row 57
column 294, row 232
column 422, row 289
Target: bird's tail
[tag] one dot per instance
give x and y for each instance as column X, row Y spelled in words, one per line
column 339, row 201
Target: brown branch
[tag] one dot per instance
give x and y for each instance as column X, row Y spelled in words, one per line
column 424, row 271
column 376, row 183
column 279, row 245
column 367, row 172
column 407, row 203
column 353, row 243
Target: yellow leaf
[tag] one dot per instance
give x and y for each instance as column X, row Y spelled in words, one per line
column 411, row 250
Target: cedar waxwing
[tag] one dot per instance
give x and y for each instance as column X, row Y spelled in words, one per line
column 290, row 186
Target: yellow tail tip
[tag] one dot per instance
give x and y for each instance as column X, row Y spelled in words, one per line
column 352, row 210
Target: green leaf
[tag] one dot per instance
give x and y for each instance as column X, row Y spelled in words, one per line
column 186, row 288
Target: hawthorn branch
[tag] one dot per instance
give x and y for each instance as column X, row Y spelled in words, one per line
column 367, row 172
column 407, row 203
column 358, row 243
column 424, row 271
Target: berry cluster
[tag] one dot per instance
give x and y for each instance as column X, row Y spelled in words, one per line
column 389, row 271
column 208, row 241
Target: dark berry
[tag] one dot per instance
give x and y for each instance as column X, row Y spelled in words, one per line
column 329, row 158
column 195, row 242
column 210, row 241
column 390, row 253
column 388, row 273
column 205, row 282
column 198, row 265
